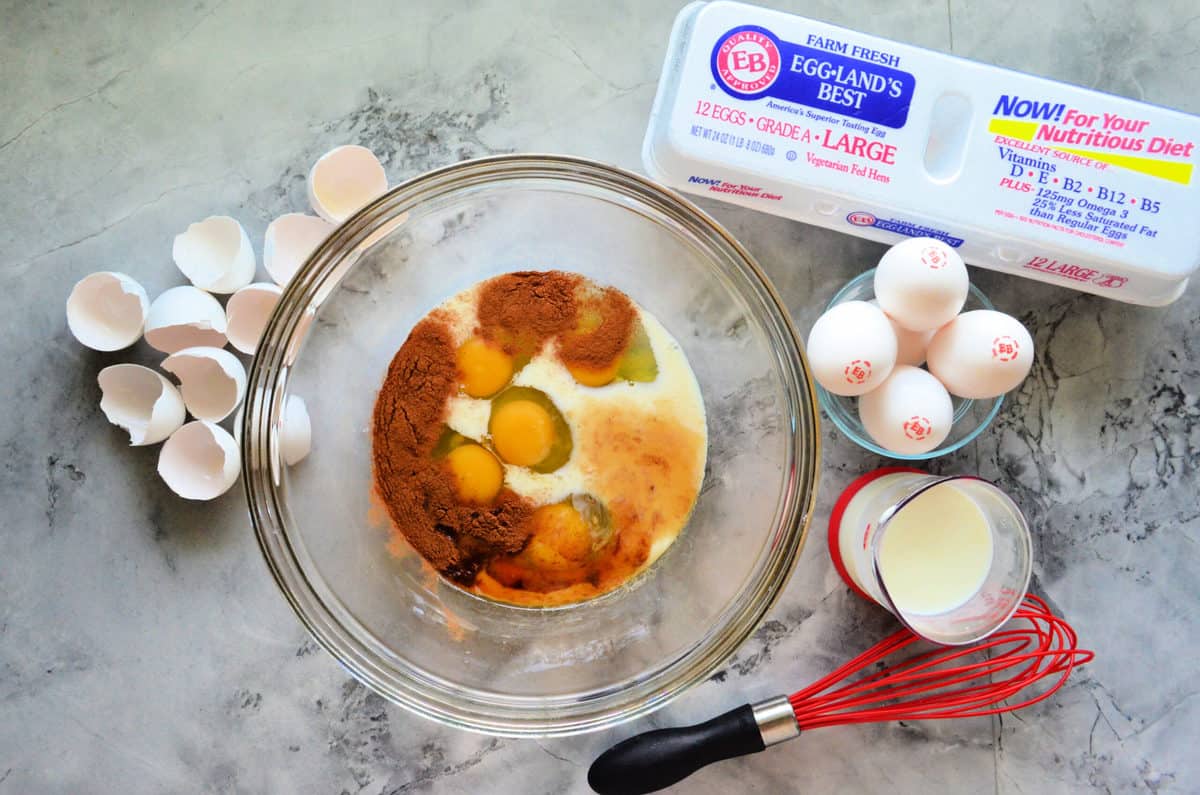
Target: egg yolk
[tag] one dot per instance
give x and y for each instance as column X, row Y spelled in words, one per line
column 522, row 432
column 595, row 377
column 477, row 473
column 638, row 363
column 561, row 538
column 483, row 367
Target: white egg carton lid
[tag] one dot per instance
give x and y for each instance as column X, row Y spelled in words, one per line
column 884, row 140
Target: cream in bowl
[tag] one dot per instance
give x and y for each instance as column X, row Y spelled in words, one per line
column 440, row 644
column 539, row 439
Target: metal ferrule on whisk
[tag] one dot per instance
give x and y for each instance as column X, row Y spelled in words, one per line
column 776, row 720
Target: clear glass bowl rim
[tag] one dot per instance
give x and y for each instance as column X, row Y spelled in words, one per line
column 509, row 716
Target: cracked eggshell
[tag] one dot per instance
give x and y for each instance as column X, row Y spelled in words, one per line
column 343, row 180
column 212, row 381
column 215, row 254
column 107, row 311
column 289, row 241
column 247, row 313
column 185, row 317
column 295, row 438
column 200, row 461
column 141, row 401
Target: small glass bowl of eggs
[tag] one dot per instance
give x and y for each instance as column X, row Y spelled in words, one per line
column 894, row 405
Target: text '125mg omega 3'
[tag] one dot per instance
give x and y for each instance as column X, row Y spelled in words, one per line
column 888, row 141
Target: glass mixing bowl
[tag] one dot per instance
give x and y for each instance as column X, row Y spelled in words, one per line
column 970, row 416
column 453, row 656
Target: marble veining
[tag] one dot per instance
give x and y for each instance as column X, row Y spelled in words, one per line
column 143, row 646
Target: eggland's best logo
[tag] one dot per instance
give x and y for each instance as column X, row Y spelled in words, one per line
column 1005, row 348
column 917, row 427
column 935, row 257
column 746, row 60
column 857, row 372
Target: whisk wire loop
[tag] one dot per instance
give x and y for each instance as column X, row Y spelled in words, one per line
column 879, row 685
column 946, row 682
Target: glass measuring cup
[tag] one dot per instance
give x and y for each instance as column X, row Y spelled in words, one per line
column 950, row 556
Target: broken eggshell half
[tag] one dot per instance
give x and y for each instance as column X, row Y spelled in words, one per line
column 289, row 241
column 343, row 180
column 247, row 313
column 141, row 401
column 185, row 317
column 295, row 437
column 107, row 311
column 200, row 461
column 215, row 254
column 212, row 381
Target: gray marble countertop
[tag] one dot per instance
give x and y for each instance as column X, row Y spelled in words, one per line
column 143, row 646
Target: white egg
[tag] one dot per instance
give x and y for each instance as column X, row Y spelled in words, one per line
column 212, row 381
column 215, row 254
column 921, row 283
column 185, row 317
column 343, row 180
column 200, row 461
column 141, row 401
column 910, row 413
column 289, row 241
column 247, row 313
column 981, row 354
column 851, row 348
column 106, row 311
column 295, row 437
column 910, row 345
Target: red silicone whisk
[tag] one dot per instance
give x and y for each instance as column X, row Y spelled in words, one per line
column 994, row 675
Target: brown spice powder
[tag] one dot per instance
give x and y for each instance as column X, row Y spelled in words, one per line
column 646, row 467
column 521, row 312
column 598, row 348
column 455, row 537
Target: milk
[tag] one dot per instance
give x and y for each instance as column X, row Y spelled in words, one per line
column 949, row 556
column 936, row 552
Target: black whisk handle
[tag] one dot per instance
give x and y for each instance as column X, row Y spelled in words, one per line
column 651, row 761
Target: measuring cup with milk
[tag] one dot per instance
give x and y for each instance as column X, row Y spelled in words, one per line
column 950, row 556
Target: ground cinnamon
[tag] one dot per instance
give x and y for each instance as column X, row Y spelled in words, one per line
column 521, row 312
column 598, row 347
column 456, row 538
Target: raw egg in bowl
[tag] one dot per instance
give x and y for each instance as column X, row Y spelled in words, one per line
column 511, row 422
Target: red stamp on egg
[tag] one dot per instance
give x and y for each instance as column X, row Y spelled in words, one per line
column 917, row 427
column 935, row 257
column 1005, row 348
column 857, row 372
